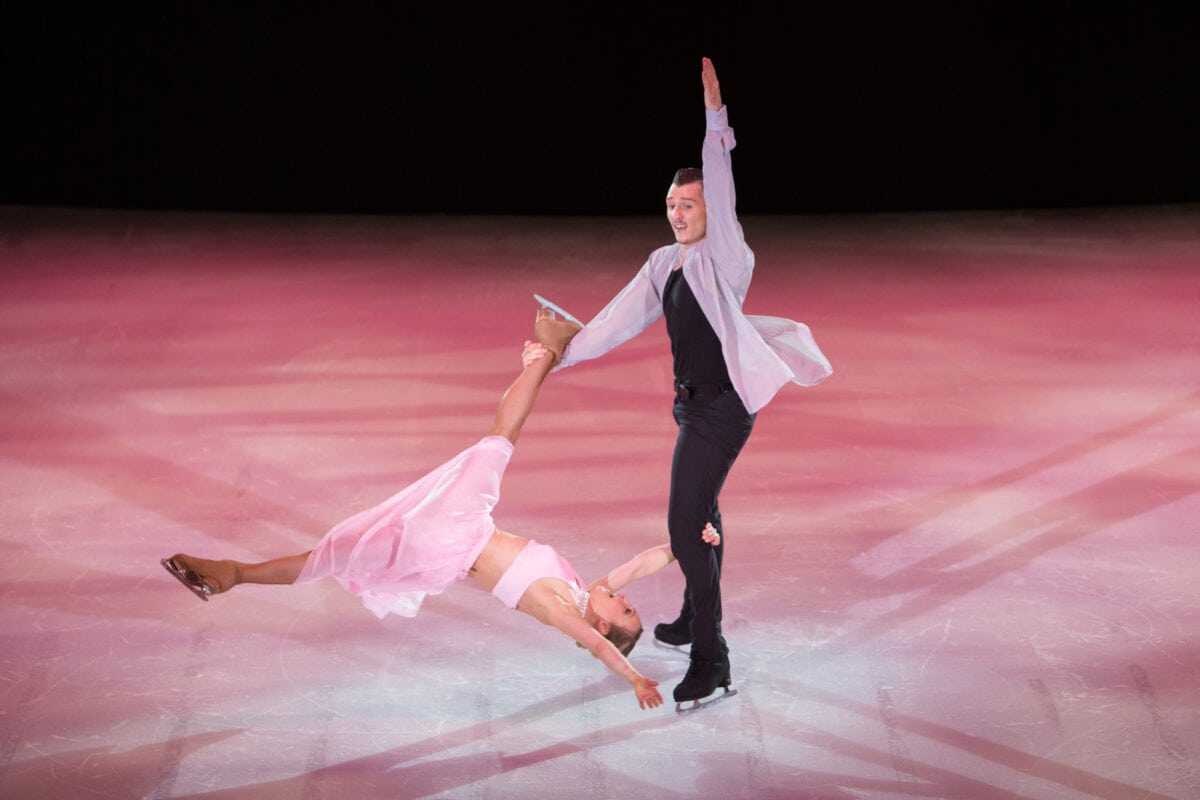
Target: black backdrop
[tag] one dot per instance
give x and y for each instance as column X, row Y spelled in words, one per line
column 466, row 108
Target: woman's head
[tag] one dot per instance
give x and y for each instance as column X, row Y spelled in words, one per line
column 623, row 639
column 615, row 618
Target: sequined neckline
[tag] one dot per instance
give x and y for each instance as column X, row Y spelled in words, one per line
column 581, row 602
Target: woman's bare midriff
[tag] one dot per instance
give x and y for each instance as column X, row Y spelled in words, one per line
column 497, row 556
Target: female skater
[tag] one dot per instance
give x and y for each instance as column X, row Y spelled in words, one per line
column 440, row 529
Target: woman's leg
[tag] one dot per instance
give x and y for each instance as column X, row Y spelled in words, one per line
column 517, row 402
column 222, row 575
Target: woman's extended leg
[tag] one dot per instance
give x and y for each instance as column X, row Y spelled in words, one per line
column 517, row 402
column 221, row 576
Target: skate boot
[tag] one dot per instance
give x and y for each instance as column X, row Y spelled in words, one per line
column 703, row 678
column 554, row 333
column 675, row 634
column 202, row 577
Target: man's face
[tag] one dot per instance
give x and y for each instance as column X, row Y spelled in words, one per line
column 686, row 212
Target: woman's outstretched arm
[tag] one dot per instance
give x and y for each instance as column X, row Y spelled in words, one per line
column 643, row 564
column 649, row 562
column 569, row 622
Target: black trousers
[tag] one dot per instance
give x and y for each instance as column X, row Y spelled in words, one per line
column 712, row 431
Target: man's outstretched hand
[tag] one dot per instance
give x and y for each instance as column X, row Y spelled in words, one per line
column 712, row 88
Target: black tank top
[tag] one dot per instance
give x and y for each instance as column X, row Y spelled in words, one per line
column 694, row 345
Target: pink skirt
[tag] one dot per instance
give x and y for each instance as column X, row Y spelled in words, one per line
column 420, row 540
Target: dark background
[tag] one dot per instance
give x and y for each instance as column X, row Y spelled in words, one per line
column 470, row 108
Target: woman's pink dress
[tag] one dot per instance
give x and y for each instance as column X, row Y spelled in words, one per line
column 420, row 540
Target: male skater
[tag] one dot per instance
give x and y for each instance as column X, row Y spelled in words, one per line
column 727, row 366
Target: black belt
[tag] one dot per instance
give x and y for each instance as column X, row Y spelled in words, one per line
column 701, row 390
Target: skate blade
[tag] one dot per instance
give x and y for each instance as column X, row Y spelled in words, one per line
column 199, row 588
column 557, row 310
column 703, row 702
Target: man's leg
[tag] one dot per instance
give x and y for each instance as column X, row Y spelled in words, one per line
column 697, row 471
column 679, row 632
column 711, row 435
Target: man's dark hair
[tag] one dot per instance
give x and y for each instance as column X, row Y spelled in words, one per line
column 687, row 175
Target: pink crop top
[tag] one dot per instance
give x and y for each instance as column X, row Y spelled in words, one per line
column 533, row 562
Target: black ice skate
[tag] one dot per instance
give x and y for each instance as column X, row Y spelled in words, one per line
column 703, row 678
column 673, row 635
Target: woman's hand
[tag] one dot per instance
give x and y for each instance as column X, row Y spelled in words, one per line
column 710, row 535
column 647, row 692
column 533, row 352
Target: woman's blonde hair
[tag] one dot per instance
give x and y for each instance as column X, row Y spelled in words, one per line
column 621, row 639
column 624, row 640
